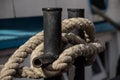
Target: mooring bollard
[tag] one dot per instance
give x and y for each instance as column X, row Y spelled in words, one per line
column 80, row 61
column 75, row 12
column 52, row 37
column 52, row 34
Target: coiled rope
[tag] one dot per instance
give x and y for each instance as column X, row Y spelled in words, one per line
column 87, row 47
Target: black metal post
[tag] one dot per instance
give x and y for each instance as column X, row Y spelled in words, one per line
column 80, row 61
column 52, row 39
column 52, row 35
column 75, row 12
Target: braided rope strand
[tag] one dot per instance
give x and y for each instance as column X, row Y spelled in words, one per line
column 19, row 56
column 63, row 62
column 79, row 47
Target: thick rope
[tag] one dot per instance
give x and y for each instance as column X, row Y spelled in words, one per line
column 19, row 56
column 79, row 47
column 80, row 23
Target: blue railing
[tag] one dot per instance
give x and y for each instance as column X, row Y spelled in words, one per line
column 14, row 32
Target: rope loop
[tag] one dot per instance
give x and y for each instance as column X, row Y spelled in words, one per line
column 73, row 46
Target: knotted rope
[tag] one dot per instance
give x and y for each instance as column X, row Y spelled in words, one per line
column 73, row 46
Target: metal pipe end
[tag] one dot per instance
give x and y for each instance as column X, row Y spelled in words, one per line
column 75, row 9
column 75, row 12
column 37, row 62
column 51, row 9
column 44, row 60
